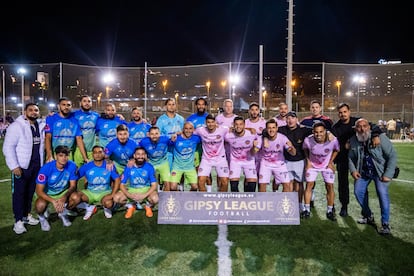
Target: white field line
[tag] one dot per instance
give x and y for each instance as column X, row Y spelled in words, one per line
column 5, row 180
column 223, row 245
column 403, row 180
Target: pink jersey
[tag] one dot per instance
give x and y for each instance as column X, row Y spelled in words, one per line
column 240, row 146
column 225, row 121
column 258, row 126
column 212, row 142
column 320, row 154
column 281, row 121
column 273, row 153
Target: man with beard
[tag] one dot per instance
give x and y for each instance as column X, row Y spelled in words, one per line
column 106, row 125
column 272, row 158
column 368, row 163
column 121, row 149
column 198, row 119
column 142, row 185
column 101, row 185
column 320, row 152
column 138, row 128
column 281, row 117
column 87, row 119
column 296, row 163
column 62, row 129
column 243, row 147
column 343, row 129
column 23, row 149
column 214, row 154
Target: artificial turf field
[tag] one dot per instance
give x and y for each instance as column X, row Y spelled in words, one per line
column 140, row 246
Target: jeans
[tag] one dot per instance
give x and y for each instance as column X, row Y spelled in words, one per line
column 361, row 190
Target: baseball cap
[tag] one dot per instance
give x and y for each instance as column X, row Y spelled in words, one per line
column 292, row 114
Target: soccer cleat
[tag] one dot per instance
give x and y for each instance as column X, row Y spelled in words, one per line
column 44, row 225
column 331, row 216
column 31, row 220
column 130, row 211
column 385, row 229
column 65, row 220
column 365, row 220
column 148, row 211
column 90, row 211
column 306, row 214
column 107, row 213
column 71, row 213
column 19, row 228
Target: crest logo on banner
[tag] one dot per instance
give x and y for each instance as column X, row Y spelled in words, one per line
column 228, row 208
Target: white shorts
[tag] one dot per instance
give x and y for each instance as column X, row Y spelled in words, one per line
column 296, row 170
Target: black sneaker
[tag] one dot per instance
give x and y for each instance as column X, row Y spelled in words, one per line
column 364, row 220
column 306, row 214
column 385, row 229
column 331, row 216
column 344, row 211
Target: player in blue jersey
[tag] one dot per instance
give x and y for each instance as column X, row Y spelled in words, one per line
column 87, row 119
column 101, row 185
column 199, row 118
column 121, row 149
column 106, row 125
column 170, row 122
column 138, row 128
column 55, row 183
column 156, row 146
column 185, row 146
column 62, row 129
column 142, row 185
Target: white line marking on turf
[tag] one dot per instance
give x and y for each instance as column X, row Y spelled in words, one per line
column 4, row 180
column 402, row 180
column 223, row 245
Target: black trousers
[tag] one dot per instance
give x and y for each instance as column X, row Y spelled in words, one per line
column 343, row 182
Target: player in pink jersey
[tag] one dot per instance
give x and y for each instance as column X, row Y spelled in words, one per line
column 273, row 160
column 320, row 152
column 281, row 117
column 214, row 155
column 243, row 146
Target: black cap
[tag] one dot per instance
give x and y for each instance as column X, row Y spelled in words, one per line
column 292, row 113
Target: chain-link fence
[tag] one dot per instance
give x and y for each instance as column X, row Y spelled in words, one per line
column 374, row 91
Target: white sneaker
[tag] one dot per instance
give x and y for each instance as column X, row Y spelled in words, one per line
column 90, row 210
column 65, row 220
column 44, row 225
column 19, row 228
column 31, row 220
column 107, row 213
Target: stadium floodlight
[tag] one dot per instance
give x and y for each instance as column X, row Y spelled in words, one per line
column 22, row 71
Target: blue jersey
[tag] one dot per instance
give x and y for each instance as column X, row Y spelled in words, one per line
column 139, row 177
column 169, row 126
column 56, row 181
column 120, row 153
column 63, row 130
column 197, row 120
column 138, row 131
column 157, row 152
column 98, row 178
column 106, row 129
column 184, row 151
column 87, row 122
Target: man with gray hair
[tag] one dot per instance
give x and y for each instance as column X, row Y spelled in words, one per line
column 368, row 163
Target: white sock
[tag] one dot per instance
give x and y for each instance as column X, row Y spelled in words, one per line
column 307, row 207
column 329, row 209
column 209, row 188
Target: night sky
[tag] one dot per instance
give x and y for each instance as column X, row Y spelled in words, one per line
column 163, row 33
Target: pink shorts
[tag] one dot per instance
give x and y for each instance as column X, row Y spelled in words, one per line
column 327, row 174
column 219, row 163
column 247, row 166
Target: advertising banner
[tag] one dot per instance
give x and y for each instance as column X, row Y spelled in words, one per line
column 228, row 208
